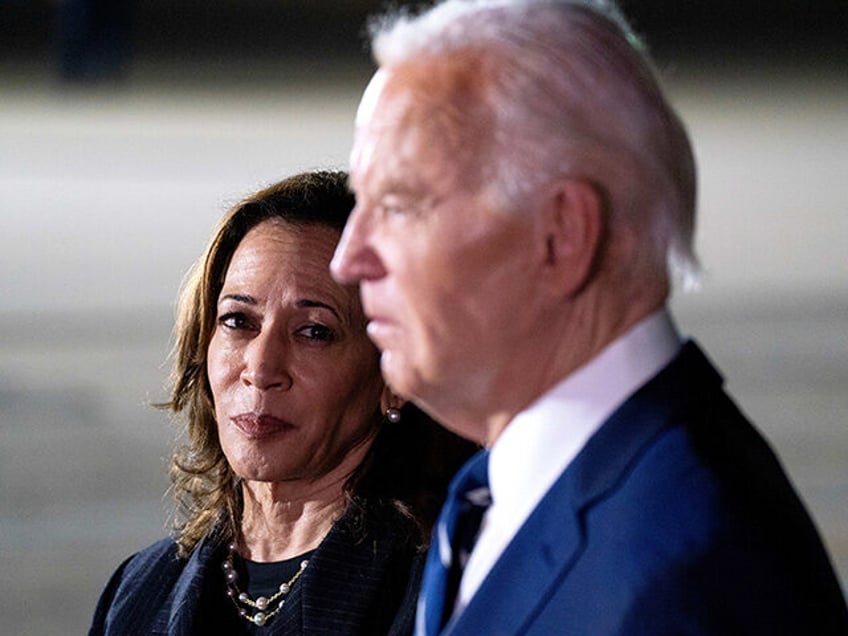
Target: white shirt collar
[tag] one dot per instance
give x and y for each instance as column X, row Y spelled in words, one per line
column 541, row 441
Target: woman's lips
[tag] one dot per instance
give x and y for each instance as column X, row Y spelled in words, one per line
column 260, row 426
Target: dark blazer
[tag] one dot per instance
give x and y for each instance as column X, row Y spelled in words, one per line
column 364, row 586
column 675, row 518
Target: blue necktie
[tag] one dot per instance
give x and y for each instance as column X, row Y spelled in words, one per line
column 453, row 539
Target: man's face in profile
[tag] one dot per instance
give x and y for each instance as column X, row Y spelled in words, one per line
column 442, row 272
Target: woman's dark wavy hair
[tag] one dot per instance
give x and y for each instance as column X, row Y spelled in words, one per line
column 409, row 464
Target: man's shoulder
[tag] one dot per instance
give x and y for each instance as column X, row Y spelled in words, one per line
column 678, row 455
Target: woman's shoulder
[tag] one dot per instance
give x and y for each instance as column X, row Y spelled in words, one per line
column 157, row 549
column 161, row 555
column 140, row 573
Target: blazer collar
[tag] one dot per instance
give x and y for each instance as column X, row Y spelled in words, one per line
column 549, row 543
column 354, row 574
column 342, row 572
column 188, row 589
column 687, row 379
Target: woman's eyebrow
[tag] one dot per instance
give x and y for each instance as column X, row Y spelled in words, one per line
column 308, row 302
column 242, row 298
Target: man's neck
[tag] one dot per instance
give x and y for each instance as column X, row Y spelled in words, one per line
column 568, row 341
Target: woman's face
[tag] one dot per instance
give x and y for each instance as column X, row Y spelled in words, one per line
column 295, row 380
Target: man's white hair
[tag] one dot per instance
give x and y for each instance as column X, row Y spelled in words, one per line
column 572, row 93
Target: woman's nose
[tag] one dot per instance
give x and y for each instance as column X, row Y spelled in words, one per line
column 266, row 364
column 355, row 259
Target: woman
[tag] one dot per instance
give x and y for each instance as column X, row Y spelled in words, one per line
column 305, row 494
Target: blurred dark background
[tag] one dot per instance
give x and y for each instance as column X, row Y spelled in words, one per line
column 128, row 127
column 114, row 32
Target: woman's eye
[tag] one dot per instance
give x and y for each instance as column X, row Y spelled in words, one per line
column 234, row 320
column 318, row 332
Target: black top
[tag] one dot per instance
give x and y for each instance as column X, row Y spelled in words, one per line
column 264, row 579
column 258, row 579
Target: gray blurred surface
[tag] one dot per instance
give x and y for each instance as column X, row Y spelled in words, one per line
column 107, row 194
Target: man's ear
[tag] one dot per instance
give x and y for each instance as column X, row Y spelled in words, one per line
column 572, row 229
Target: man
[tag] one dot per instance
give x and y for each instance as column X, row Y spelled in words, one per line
column 525, row 200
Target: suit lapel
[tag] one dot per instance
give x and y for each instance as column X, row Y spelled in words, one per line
column 350, row 586
column 550, row 542
column 187, row 592
column 542, row 552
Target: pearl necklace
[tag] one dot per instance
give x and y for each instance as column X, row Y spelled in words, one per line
column 242, row 600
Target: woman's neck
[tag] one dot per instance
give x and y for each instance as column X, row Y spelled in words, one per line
column 281, row 522
column 284, row 519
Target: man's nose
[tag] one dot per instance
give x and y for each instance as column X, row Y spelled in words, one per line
column 356, row 257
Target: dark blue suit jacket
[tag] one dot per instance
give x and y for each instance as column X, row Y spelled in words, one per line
column 675, row 518
column 353, row 586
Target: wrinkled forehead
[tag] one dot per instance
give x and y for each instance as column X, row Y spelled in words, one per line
column 426, row 116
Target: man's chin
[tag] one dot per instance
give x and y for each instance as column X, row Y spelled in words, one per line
column 395, row 373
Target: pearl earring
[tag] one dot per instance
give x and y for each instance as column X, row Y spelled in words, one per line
column 393, row 415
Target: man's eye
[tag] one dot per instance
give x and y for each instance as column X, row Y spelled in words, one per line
column 318, row 332
column 394, row 206
column 394, row 210
column 408, row 206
